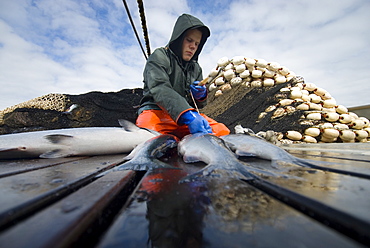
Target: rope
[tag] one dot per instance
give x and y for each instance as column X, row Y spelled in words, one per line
column 133, row 27
column 143, row 25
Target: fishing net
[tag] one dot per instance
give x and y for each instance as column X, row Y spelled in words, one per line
column 54, row 111
column 242, row 106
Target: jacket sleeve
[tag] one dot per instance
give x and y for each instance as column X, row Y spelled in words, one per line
column 157, row 79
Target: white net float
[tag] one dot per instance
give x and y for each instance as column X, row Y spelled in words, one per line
column 240, row 68
column 250, row 62
column 237, row 60
column 273, row 66
column 280, row 79
column 219, row 81
column 236, row 81
column 309, row 139
column 223, row 62
column 268, row 82
column 312, row 131
column 293, row 135
column 229, row 74
column 261, row 63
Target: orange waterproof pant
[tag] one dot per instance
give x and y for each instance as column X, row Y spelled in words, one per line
column 160, row 121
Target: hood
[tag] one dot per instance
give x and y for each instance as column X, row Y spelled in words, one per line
column 183, row 23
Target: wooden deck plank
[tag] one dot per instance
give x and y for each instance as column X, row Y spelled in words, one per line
column 351, row 157
column 349, row 147
column 221, row 212
column 343, row 163
column 345, row 193
column 63, row 222
column 22, row 194
column 12, row 167
column 350, row 151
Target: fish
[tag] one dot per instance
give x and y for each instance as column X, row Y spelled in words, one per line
column 247, row 145
column 251, row 146
column 145, row 156
column 213, row 151
column 87, row 141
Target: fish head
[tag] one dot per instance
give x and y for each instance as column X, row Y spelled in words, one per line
column 161, row 144
column 200, row 147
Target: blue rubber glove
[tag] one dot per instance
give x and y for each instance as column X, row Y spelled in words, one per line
column 196, row 123
column 199, row 92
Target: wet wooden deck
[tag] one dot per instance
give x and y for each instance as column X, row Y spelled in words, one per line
column 67, row 203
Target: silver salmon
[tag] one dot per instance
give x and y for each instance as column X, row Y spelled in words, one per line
column 246, row 145
column 145, row 156
column 214, row 152
column 74, row 142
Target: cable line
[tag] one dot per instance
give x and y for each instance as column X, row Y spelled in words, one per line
column 143, row 25
column 133, row 27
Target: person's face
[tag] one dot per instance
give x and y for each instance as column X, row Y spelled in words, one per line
column 191, row 43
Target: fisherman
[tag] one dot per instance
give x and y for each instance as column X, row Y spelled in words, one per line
column 171, row 91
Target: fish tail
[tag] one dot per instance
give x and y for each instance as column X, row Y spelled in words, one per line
column 279, row 163
column 276, row 163
column 144, row 165
column 156, row 164
column 303, row 163
column 237, row 170
column 244, row 173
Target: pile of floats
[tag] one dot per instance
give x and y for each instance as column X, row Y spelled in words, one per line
column 328, row 122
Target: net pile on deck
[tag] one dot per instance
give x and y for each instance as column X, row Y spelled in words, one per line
column 263, row 96
column 54, row 111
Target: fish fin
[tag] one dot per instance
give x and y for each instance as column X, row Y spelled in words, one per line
column 230, row 145
column 128, row 125
column 131, row 127
column 134, row 151
column 12, row 149
column 244, row 154
column 152, row 131
column 57, row 153
column 275, row 163
column 57, row 138
column 190, row 159
column 213, row 170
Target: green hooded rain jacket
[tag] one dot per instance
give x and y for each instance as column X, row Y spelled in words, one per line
column 167, row 77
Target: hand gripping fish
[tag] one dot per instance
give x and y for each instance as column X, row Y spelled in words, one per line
column 246, row 145
column 145, row 156
column 214, row 152
column 74, row 142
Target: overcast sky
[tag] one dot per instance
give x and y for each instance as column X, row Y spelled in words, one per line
column 77, row 46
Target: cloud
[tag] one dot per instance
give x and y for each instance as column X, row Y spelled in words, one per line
column 320, row 41
column 68, row 52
